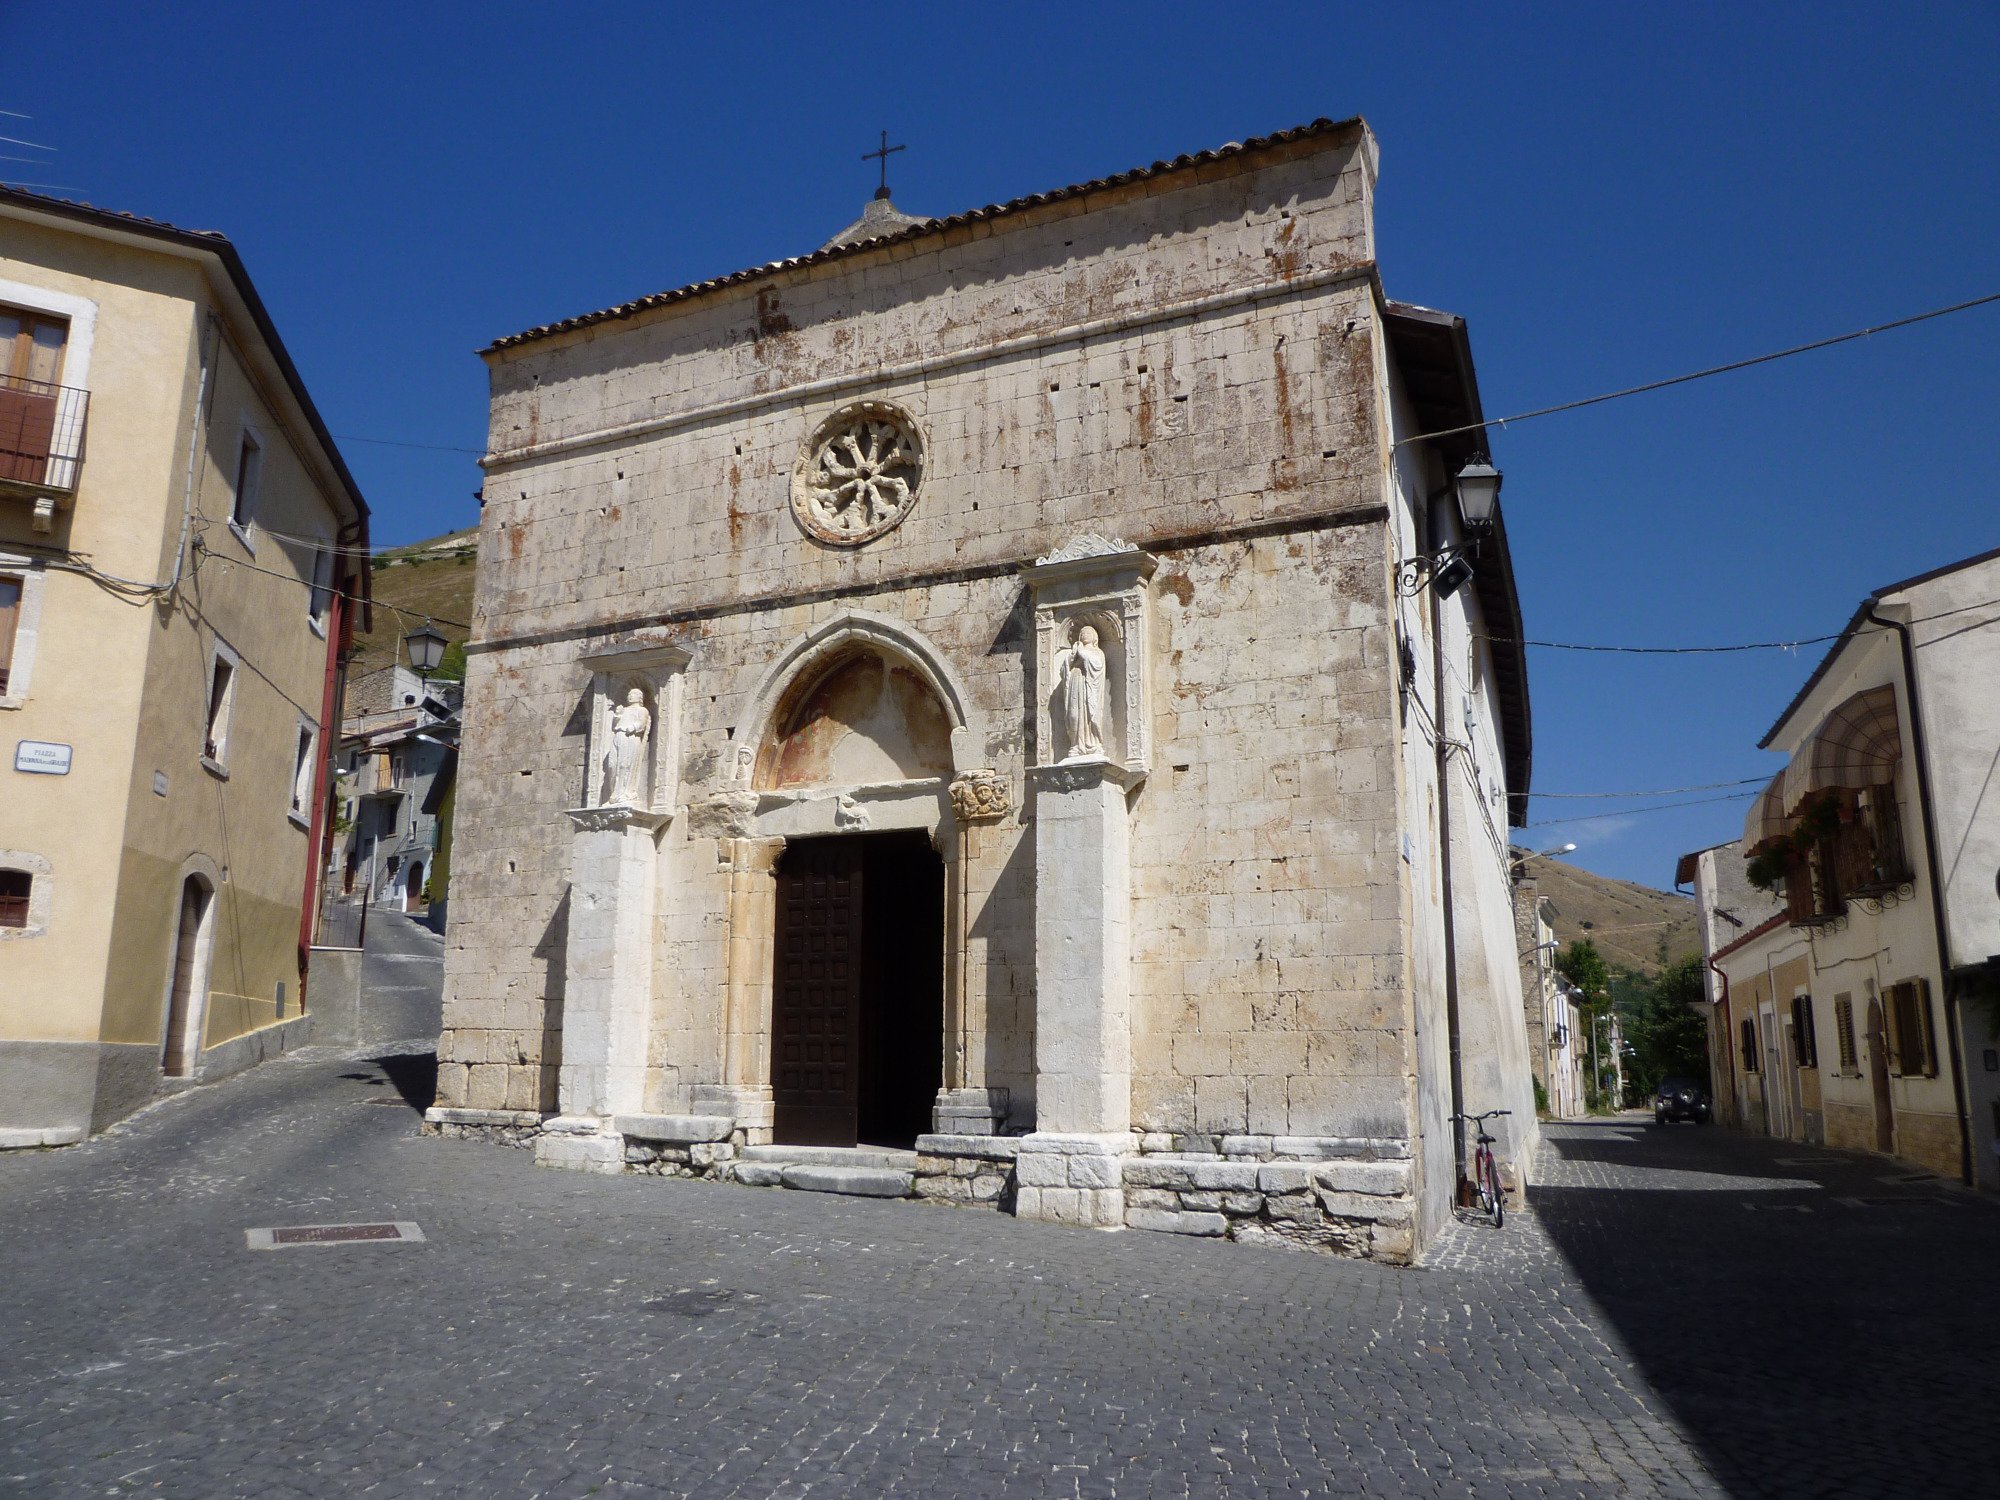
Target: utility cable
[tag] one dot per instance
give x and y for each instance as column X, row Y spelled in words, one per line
column 1733, row 365
column 1671, row 791
column 1633, row 812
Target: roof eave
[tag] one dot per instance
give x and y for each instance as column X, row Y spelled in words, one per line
column 1354, row 125
column 1499, row 598
column 216, row 249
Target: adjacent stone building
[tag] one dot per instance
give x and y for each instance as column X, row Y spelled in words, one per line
column 981, row 712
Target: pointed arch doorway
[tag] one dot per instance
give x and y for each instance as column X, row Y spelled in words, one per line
column 859, row 745
column 858, row 993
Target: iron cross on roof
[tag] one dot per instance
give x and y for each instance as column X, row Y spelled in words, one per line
column 883, row 154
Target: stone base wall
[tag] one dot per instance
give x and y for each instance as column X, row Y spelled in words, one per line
column 1849, row 1127
column 504, row 1127
column 1347, row 1196
column 1928, row 1141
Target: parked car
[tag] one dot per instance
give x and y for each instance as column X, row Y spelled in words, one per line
column 1681, row 1099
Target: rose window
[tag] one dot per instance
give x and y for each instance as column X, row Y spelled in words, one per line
column 858, row 475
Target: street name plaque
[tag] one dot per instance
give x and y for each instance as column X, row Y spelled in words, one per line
column 41, row 758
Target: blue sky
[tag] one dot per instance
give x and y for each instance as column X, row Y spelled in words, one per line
column 1608, row 193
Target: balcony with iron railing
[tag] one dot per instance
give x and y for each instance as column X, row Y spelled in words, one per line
column 41, row 443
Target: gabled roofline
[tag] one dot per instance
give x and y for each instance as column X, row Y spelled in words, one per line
column 1493, row 579
column 214, row 249
column 1355, row 126
column 1853, row 627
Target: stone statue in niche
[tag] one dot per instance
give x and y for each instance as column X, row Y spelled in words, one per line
column 625, row 763
column 1080, row 667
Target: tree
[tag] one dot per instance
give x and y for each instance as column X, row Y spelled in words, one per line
column 1583, row 966
column 1667, row 1027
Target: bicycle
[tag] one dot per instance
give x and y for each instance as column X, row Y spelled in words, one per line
column 1485, row 1171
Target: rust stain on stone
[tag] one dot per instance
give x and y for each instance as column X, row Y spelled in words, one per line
column 735, row 506
column 1286, row 258
column 1179, row 585
column 771, row 319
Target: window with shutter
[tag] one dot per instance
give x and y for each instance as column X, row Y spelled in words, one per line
column 10, row 620
column 1909, row 1011
column 1843, row 1027
column 1749, row 1045
column 1805, row 1040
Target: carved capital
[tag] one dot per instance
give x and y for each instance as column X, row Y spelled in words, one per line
column 615, row 817
column 981, row 795
column 726, row 815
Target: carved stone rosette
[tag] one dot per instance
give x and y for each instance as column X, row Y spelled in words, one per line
column 858, row 474
column 978, row 796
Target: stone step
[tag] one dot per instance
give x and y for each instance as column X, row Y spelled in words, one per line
column 879, row 1157
column 855, row 1182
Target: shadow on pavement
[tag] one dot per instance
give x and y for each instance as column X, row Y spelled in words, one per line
column 1816, row 1331
column 414, row 1075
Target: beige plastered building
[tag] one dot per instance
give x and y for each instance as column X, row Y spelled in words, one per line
column 1860, row 1004
column 172, row 514
column 966, row 714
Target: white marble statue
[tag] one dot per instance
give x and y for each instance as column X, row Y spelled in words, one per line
column 625, row 763
column 1081, row 666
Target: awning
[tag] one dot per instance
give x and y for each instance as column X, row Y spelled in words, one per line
column 1856, row 745
column 1767, row 818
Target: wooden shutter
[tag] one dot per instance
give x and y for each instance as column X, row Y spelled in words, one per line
column 10, row 619
column 1843, row 1026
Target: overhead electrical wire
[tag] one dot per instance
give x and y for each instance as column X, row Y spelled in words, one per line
column 1633, row 812
column 1733, row 365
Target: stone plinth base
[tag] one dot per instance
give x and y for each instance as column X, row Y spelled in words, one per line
column 580, row 1143
column 750, row 1106
column 970, row 1111
column 1072, row 1179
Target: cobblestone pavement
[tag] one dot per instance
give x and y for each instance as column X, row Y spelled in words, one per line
column 402, row 979
column 566, row 1335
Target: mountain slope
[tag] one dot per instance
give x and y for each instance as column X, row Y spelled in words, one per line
column 1625, row 920
column 428, row 580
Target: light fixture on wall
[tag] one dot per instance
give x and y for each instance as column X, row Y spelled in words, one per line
column 1449, row 568
column 426, row 648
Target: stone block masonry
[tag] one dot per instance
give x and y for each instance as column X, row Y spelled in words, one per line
column 1004, row 627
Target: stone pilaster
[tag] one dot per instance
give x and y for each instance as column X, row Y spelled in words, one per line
column 1083, row 1003
column 966, row 1104
column 614, row 882
column 745, row 1090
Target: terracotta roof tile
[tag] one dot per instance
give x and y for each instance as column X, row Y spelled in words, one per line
column 829, row 252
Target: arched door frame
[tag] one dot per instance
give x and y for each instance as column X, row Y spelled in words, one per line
column 201, row 868
column 756, row 824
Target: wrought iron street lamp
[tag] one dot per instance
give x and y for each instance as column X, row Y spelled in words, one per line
column 1449, row 568
column 426, row 648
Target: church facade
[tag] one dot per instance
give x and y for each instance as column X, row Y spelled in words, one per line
column 976, row 713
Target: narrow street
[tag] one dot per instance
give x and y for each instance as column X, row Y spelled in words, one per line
column 1685, row 1312
column 402, row 979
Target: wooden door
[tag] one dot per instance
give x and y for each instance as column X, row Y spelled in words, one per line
column 31, row 350
column 816, row 1001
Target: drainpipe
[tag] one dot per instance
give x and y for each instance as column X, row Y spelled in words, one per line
column 191, row 485
column 1451, row 1022
column 1937, row 888
column 1728, row 1034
